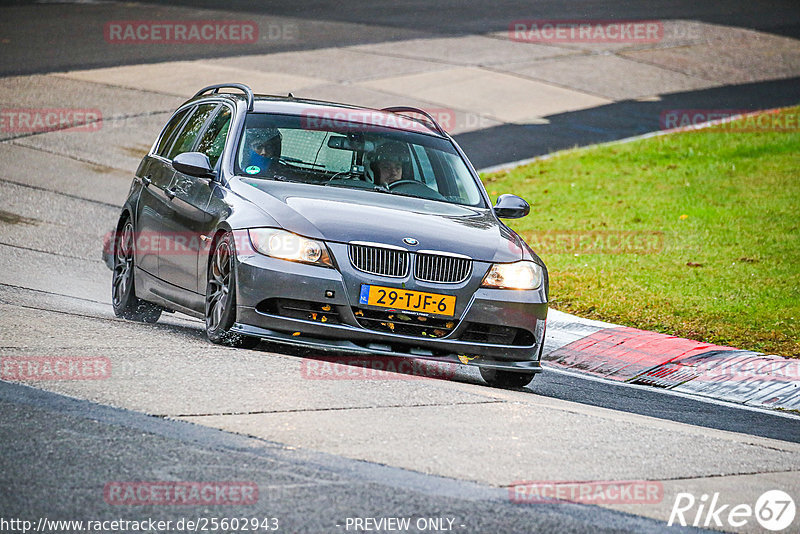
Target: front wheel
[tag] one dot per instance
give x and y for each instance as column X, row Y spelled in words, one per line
column 123, row 295
column 506, row 379
column 221, row 298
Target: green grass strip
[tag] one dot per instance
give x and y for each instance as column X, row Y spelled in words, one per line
column 695, row 234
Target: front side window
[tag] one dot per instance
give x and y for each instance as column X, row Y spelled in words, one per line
column 187, row 137
column 170, row 131
column 213, row 141
column 284, row 148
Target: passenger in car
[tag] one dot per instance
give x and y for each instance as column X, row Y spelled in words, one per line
column 263, row 150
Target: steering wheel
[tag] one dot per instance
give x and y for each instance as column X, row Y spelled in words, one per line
column 413, row 187
column 343, row 175
column 404, row 182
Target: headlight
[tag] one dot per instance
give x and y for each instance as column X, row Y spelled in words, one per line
column 288, row 246
column 519, row 275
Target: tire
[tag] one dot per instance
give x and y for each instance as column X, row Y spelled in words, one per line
column 220, row 309
column 506, row 379
column 123, row 293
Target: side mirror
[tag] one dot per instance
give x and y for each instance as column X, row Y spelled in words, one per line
column 511, row 207
column 194, row 164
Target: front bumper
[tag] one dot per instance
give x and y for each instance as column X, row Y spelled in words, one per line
column 260, row 278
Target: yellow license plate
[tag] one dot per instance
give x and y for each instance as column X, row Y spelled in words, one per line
column 405, row 299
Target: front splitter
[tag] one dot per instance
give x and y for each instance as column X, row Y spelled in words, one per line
column 380, row 349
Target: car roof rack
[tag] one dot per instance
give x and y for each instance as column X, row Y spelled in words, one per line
column 408, row 109
column 240, row 86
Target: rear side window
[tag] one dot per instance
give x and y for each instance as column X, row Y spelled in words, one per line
column 170, row 131
column 188, row 135
column 213, row 141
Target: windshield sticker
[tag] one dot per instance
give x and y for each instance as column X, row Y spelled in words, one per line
column 253, row 169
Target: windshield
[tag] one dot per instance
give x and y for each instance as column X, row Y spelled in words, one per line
column 283, row 148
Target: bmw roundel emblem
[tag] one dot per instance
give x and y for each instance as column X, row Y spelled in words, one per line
column 410, row 241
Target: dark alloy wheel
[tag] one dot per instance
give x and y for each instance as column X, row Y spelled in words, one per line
column 506, row 379
column 221, row 298
column 123, row 295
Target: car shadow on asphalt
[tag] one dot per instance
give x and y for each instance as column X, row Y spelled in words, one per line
column 641, row 400
column 513, row 142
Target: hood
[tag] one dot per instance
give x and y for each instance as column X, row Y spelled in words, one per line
column 344, row 215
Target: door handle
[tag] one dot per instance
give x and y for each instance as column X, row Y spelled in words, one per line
column 170, row 193
column 147, row 181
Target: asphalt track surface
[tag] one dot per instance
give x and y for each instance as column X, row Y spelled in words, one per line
column 56, row 37
column 59, row 451
column 89, row 444
column 51, row 28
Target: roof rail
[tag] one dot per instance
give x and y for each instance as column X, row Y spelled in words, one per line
column 240, row 86
column 400, row 109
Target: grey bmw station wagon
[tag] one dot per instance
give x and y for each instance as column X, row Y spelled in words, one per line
column 331, row 227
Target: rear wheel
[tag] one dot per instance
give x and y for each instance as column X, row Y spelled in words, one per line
column 506, row 379
column 221, row 298
column 123, row 294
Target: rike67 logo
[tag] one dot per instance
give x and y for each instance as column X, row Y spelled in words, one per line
column 774, row 510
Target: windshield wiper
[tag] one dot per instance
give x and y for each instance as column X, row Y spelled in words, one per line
column 300, row 161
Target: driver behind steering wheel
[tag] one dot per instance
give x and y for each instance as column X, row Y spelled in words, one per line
column 389, row 163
